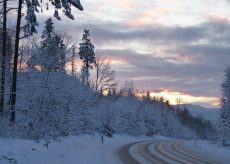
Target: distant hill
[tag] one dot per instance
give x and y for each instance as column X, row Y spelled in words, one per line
column 206, row 113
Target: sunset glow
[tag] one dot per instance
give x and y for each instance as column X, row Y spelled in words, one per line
column 159, row 44
column 186, row 99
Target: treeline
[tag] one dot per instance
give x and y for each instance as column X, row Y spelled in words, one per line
column 203, row 128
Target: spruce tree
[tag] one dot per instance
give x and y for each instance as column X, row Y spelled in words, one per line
column 86, row 53
column 33, row 5
column 48, row 31
column 50, row 55
column 224, row 118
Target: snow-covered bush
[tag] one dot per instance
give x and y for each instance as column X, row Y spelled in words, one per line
column 224, row 118
column 53, row 105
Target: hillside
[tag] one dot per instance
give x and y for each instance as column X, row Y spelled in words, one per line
column 210, row 114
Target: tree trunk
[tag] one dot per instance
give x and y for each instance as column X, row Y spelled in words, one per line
column 3, row 63
column 97, row 76
column 73, row 62
column 15, row 64
column 87, row 73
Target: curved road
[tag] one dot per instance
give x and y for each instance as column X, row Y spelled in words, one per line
column 160, row 152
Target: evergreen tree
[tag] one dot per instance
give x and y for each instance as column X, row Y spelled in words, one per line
column 33, row 5
column 224, row 118
column 147, row 97
column 48, row 31
column 86, row 53
column 51, row 53
column 29, row 29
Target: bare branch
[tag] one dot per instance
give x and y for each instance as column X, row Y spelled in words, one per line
column 13, row 8
column 105, row 76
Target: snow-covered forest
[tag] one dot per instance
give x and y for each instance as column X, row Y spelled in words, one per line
column 52, row 87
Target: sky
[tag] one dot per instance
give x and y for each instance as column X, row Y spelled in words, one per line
column 173, row 48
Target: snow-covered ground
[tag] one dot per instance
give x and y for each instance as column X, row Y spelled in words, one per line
column 84, row 150
column 74, row 149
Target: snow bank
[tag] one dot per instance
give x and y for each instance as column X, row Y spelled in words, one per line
column 73, row 149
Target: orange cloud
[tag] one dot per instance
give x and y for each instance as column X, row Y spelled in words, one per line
column 125, row 4
column 218, row 18
column 147, row 17
column 115, row 62
column 172, row 96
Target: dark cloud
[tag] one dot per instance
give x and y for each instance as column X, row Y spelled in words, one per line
column 207, row 43
column 156, row 34
column 196, row 79
column 217, row 32
column 205, row 48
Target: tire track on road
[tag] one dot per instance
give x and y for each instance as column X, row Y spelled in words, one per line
column 160, row 148
column 168, row 146
column 127, row 158
column 159, row 152
column 176, row 146
column 153, row 158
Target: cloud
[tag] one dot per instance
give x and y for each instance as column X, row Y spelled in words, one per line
column 149, row 72
column 189, row 59
column 155, row 34
column 148, row 17
column 159, row 54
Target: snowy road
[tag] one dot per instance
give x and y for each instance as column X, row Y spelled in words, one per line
column 160, row 152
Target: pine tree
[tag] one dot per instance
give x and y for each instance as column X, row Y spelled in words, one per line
column 52, row 48
column 147, row 98
column 86, row 53
column 50, row 55
column 48, row 31
column 224, row 118
column 32, row 7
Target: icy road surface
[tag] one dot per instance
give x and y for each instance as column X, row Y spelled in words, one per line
column 162, row 152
